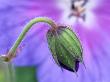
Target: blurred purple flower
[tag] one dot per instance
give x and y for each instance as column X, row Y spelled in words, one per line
column 94, row 35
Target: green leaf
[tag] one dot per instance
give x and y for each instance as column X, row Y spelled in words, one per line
column 26, row 74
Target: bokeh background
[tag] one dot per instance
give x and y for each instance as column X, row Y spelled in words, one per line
column 34, row 62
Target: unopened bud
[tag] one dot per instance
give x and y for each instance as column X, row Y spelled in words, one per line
column 65, row 47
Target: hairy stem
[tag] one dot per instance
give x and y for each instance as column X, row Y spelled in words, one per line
column 12, row 51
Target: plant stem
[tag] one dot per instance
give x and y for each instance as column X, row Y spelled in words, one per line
column 12, row 51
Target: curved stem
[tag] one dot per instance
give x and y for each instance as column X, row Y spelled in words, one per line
column 12, row 51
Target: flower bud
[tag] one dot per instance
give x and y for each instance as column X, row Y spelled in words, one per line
column 65, row 47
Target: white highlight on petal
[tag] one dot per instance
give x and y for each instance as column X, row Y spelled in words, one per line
column 90, row 19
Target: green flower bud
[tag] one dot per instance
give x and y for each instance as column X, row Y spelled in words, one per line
column 65, row 47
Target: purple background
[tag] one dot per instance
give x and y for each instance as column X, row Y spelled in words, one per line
column 94, row 34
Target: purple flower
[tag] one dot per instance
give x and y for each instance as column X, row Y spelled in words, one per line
column 93, row 32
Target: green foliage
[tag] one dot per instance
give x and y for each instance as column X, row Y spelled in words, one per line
column 8, row 73
column 26, row 74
